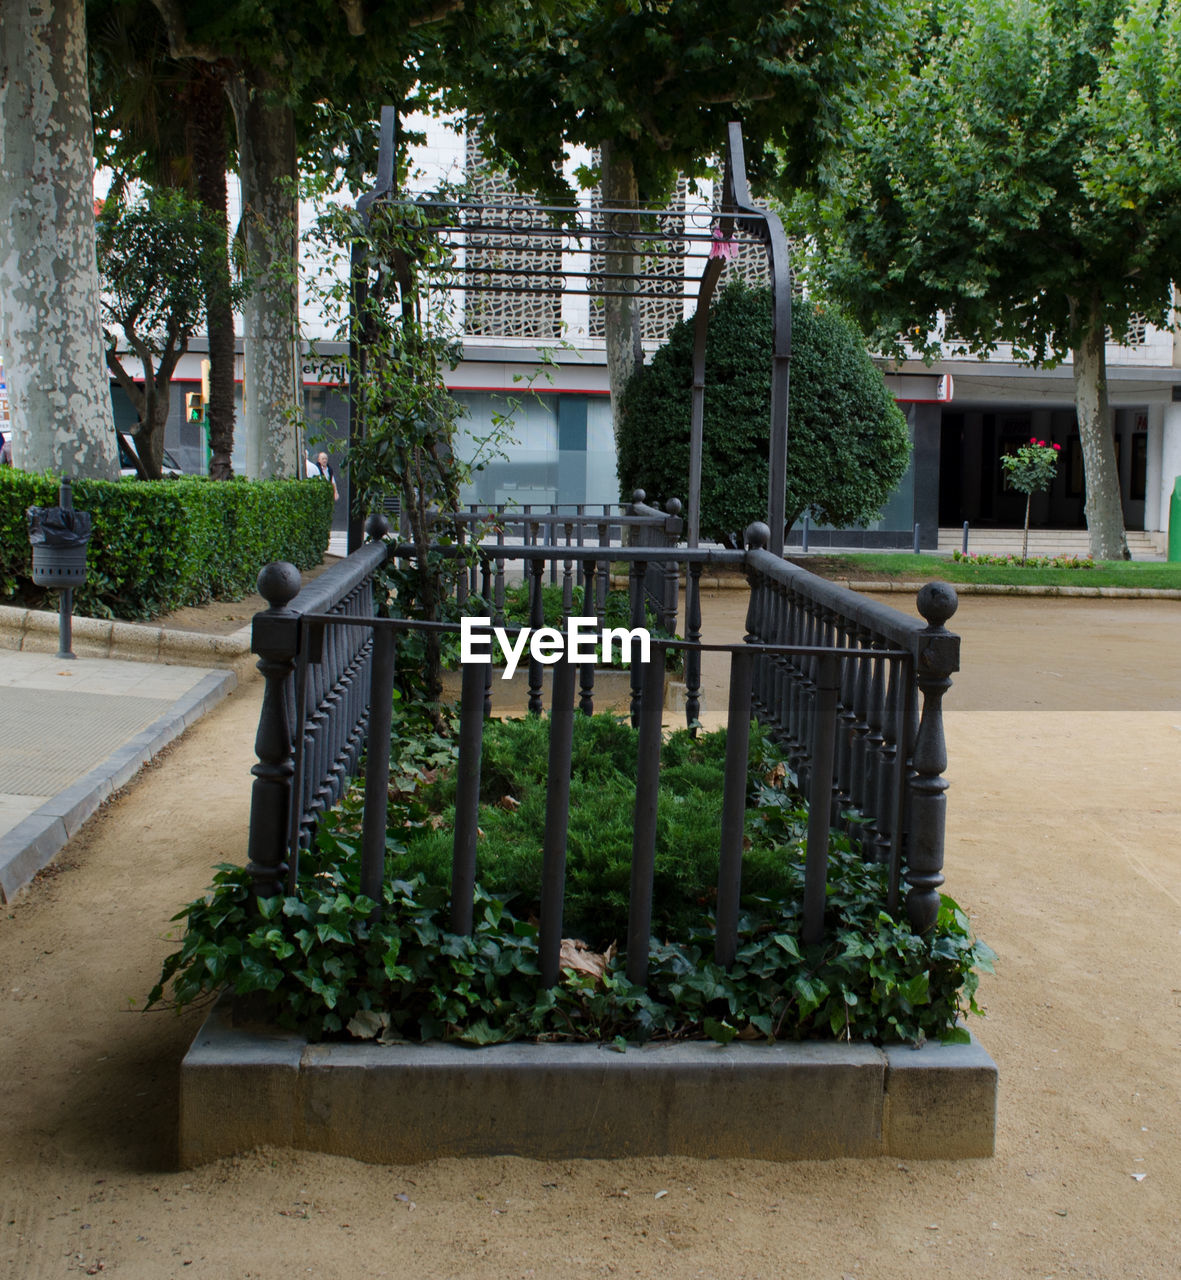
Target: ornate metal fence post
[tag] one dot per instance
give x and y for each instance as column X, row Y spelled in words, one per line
column 275, row 638
column 937, row 656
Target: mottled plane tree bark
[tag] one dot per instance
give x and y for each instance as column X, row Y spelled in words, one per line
column 50, row 334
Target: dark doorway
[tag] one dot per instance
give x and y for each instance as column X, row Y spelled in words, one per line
column 951, row 470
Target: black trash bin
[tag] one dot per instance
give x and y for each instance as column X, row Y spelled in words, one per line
column 59, row 537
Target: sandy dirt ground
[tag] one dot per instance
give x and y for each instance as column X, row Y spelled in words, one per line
column 1062, row 843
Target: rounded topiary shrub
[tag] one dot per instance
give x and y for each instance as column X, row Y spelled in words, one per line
column 847, row 444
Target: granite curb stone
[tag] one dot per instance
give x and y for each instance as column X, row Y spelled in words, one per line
column 245, row 1086
column 36, row 631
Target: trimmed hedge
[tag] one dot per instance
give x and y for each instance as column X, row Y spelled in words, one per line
column 847, row 443
column 159, row 545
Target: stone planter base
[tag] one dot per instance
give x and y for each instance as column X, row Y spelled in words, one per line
column 243, row 1087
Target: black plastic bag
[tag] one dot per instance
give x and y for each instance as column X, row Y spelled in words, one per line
column 57, row 527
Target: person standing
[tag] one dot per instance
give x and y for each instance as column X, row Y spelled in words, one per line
column 324, row 468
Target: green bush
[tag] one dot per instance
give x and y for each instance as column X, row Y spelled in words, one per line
column 847, row 440
column 160, row 545
column 320, row 960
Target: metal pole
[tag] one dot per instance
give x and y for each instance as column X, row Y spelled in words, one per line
column 377, row 769
column 965, row 543
column 467, row 797
column 65, row 603
column 557, row 818
column 733, row 809
column 820, row 799
column 639, row 919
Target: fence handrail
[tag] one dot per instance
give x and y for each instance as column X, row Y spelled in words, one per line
column 870, row 615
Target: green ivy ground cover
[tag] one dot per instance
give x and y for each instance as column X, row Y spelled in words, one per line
column 1039, row 572
column 323, row 962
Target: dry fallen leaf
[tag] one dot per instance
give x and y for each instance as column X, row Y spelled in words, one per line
column 576, row 955
column 511, row 803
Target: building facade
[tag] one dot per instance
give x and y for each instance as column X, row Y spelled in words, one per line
column 534, row 383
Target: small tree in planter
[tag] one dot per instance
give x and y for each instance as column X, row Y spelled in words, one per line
column 1031, row 470
column 155, row 257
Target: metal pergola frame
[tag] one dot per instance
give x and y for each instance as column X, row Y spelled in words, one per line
column 577, row 232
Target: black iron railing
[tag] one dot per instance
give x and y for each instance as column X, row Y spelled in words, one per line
column 852, row 690
column 487, row 528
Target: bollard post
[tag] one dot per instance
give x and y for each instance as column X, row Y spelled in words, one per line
column 65, row 605
column 964, row 548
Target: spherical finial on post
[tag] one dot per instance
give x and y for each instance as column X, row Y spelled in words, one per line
column 758, row 536
column 376, row 526
column 673, row 506
column 279, row 583
column 937, row 601
column 638, row 495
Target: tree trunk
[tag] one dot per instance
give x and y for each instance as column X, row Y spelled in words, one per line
column 266, row 163
column 1104, row 508
column 59, row 393
column 621, row 316
column 208, row 123
column 149, row 432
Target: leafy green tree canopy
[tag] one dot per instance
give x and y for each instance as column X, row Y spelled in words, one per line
column 152, row 257
column 847, row 444
column 660, row 81
column 1024, row 186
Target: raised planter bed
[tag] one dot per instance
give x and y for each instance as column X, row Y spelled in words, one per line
column 244, row 1086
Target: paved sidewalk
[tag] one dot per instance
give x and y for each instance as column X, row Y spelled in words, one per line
column 73, row 732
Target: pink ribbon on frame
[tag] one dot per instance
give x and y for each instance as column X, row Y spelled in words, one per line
column 721, row 247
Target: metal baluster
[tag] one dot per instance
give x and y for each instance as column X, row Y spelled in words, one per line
column 639, row 917
column 605, row 576
column 733, row 808
column 638, row 617
column 672, row 573
column 536, row 619
column 756, row 610
column 693, row 656
column 780, row 667
column 901, row 718
column 568, row 578
column 801, row 745
column 875, row 743
column 936, row 658
column 586, row 670
column 498, row 593
column 820, row 792
column 796, row 634
column 859, row 787
column 557, row 818
column 844, row 637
